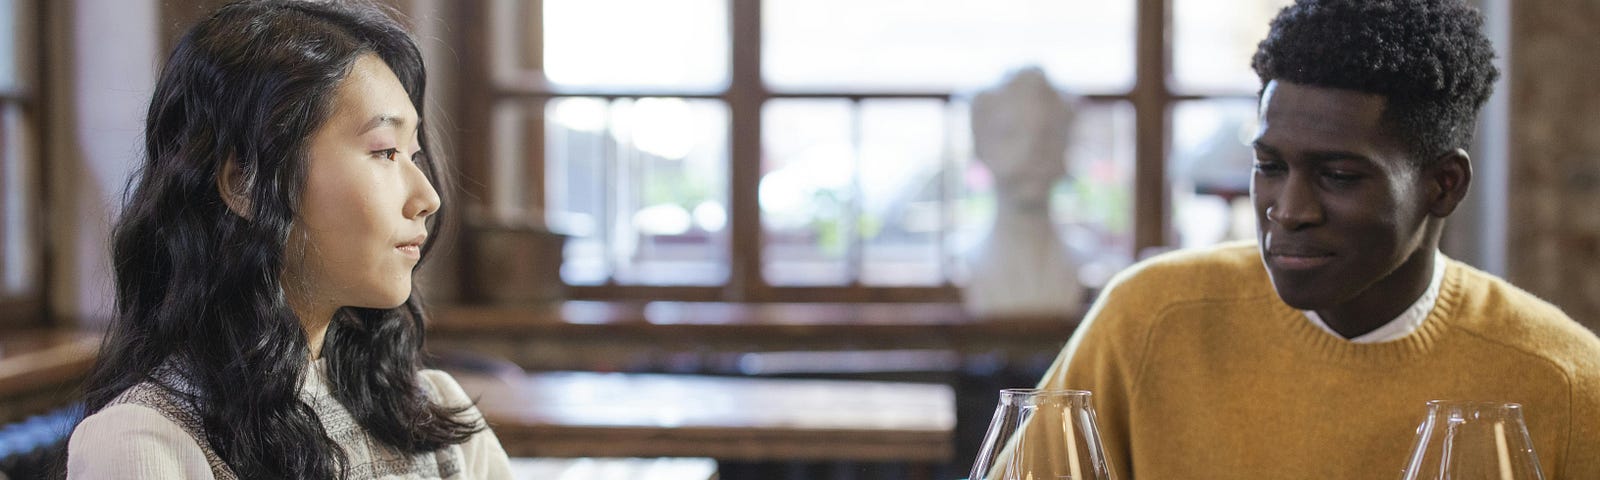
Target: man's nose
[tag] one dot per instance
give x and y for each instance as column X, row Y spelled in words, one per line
column 1296, row 206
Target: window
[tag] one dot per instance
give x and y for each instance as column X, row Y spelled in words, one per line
column 21, row 293
column 796, row 150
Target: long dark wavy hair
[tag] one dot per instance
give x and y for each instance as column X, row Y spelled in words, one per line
column 198, row 285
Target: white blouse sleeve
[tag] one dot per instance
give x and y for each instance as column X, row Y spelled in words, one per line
column 482, row 456
column 134, row 442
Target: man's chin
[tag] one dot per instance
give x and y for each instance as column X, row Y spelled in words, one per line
column 1302, row 297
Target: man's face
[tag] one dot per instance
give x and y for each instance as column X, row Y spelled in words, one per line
column 1339, row 206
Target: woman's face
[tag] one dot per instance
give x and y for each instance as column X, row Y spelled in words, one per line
column 361, row 223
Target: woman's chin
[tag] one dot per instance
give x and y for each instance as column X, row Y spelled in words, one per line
column 388, row 300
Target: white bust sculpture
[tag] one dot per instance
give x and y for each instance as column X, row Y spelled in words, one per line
column 1019, row 130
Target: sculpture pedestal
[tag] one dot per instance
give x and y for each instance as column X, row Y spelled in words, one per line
column 1022, row 269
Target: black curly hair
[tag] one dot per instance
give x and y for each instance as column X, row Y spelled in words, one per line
column 1428, row 58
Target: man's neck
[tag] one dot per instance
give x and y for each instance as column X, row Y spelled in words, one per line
column 1384, row 300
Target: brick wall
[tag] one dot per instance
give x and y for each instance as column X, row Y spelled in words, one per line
column 1554, row 205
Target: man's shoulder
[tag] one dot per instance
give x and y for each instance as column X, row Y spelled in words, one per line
column 1223, row 271
column 1495, row 309
column 1494, row 293
column 1219, row 278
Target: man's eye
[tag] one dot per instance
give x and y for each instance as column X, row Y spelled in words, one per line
column 1269, row 167
column 1342, row 177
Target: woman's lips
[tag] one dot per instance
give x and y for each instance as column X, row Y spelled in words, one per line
column 412, row 248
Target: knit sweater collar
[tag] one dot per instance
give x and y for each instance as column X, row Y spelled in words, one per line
column 1315, row 341
column 1402, row 325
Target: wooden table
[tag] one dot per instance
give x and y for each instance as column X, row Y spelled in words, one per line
column 721, row 319
column 712, row 336
column 613, row 469
column 30, row 359
column 580, row 414
column 40, row 369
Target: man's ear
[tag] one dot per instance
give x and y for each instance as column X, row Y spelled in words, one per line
column 1447, row 181
column 234, row 188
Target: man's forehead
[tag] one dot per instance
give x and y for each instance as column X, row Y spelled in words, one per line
column 1320, row 112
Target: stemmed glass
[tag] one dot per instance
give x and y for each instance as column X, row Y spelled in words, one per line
column 1470, row 441
column 1042, row 434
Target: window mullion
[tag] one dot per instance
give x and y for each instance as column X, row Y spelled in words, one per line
column 852, row 231
column 745, row 96
column 947, row 198
column 1151, row 101
column 611, row 192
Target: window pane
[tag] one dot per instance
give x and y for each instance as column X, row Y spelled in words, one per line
column 576, row 149
column 508, row 162
column 808, row 167
column 10, row 45
column 1214, row 40
column 902, row 162
column 944, row 44
column 641, row 187
column 1092, row 207
column 1210, row 171
column 679, row 44
column 19, row 248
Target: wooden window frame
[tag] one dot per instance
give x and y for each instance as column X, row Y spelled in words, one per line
column 28, row 308
column 1152, row 98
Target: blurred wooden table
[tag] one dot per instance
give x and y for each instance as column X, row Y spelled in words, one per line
column 712, row 336
column 580, row 414
column 614, row 468
column 40, row 369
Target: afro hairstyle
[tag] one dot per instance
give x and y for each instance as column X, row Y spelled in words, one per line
column 1428, row 58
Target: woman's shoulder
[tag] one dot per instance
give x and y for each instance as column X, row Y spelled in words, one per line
column 133, row 440
column 443, row 387
column 482, row 454
column 130, row 421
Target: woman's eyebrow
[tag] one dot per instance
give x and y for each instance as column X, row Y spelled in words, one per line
column 384, row 119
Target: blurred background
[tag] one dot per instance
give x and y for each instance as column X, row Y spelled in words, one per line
column 776, row 188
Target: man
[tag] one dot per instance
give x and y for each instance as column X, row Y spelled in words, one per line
column 1312, row 353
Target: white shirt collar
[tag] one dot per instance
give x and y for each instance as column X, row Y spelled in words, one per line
column 1408, row 321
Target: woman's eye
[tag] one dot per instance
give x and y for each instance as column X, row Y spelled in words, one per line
column 387, row 153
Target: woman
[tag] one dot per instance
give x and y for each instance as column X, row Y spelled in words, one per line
column 266, row 322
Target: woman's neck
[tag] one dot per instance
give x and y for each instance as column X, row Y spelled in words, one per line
column 314, row 318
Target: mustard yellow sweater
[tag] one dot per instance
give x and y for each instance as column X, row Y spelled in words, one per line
column 1199, row 371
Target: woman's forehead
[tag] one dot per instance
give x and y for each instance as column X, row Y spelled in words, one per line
column 370, row 97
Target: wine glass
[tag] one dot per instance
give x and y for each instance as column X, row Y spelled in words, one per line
column 1462, row 440
column 1042, row 434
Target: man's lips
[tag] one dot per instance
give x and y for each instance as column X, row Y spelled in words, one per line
column 1298, row 259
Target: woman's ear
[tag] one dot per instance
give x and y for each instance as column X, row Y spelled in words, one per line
column 234, row 188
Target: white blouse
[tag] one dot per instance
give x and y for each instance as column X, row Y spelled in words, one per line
column 133, row 440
